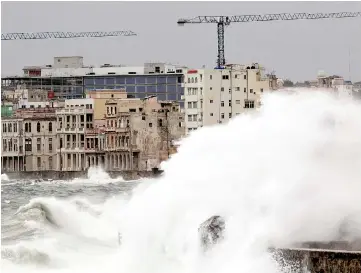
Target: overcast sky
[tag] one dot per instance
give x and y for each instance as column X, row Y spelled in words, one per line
column 293, row 49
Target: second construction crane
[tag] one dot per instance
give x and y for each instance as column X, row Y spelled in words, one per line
column 223, row 21
column 63, row 35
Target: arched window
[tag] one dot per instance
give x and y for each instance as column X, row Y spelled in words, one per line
column 50, row 126
column 196, row 80
column 30, row 127
column 192, row 80
column 15, row 127
column 38, row 127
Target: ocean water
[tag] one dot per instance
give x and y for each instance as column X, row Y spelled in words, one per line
column 288, row 173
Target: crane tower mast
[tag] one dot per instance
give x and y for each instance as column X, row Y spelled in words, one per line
column 223, row 21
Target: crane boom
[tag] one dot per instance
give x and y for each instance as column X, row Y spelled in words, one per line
column 63, row 35
column 223, row 21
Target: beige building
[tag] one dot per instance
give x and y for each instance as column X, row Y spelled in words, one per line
column 100, row 97
column 38, row 132
column 140, row 133
column 215, row 96
column 12, row 153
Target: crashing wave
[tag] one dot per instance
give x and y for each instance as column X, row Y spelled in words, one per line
column 24, row 255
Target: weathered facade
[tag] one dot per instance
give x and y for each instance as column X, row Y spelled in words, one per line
column 12, row 154
column 29, row 140
column 140, row 133
column 74, row 121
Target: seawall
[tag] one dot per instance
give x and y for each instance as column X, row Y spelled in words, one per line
column 69, row 175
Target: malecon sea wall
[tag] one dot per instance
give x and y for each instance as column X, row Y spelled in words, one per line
column 68, row 175
column 318, row 260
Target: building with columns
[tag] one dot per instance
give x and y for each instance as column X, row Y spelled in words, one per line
column 12, row 153
column 72, row 122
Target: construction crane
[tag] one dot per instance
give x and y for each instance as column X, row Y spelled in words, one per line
column 63, row 35
column 223, row 21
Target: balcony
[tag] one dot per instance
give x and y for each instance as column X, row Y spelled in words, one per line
column 74, row 111
column 70, row 149
column 68, row 130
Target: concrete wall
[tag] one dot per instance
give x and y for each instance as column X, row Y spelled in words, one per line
column 318, row 261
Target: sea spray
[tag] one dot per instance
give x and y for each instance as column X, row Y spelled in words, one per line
column 285, row 174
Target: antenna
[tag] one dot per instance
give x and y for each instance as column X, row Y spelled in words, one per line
column 349, row 63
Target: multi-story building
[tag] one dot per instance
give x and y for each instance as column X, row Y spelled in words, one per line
column 38, row 132
column 215, row 96
column 12, row 154
column 140, row 133
column 72, row 123
column 69, row 78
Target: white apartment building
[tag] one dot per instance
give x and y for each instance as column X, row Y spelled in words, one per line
column 215, row 96
column 72, row 122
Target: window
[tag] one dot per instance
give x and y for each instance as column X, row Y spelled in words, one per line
column 230, row 115
column 238, row 102
column 194, row 104
column 192, row 117
column 222, row 89
column 189, row 91
column 222, row 115
column 238, row 88
column 5, row 145
column 15, row 127
column 50, row 144
column 222, row 103
column 38, row 144
column 50, row 127
column 211, row 114
column 10, row 145
column 9, row 128
column 50, row 162
column 15, row 145
column 230, row 103
column 194, row 91
column 28, row 144
column 210, row 77
column 189, row 105
column 245, row 90
column 189, row 80
column 245, row 77
column 39, row 162
column 4, row 128
column 210, row 101
column 251, row 90
column 210, row 88
column 236, row 76
column 249, row 104
column 261, row 90
column 196, row 80
column 225, row 77
column 150, row 124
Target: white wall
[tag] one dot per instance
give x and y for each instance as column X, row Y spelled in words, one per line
column 215, row 96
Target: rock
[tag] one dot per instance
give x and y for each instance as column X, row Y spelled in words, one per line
column 211, row 231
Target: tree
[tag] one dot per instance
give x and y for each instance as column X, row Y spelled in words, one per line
column 288, row 83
